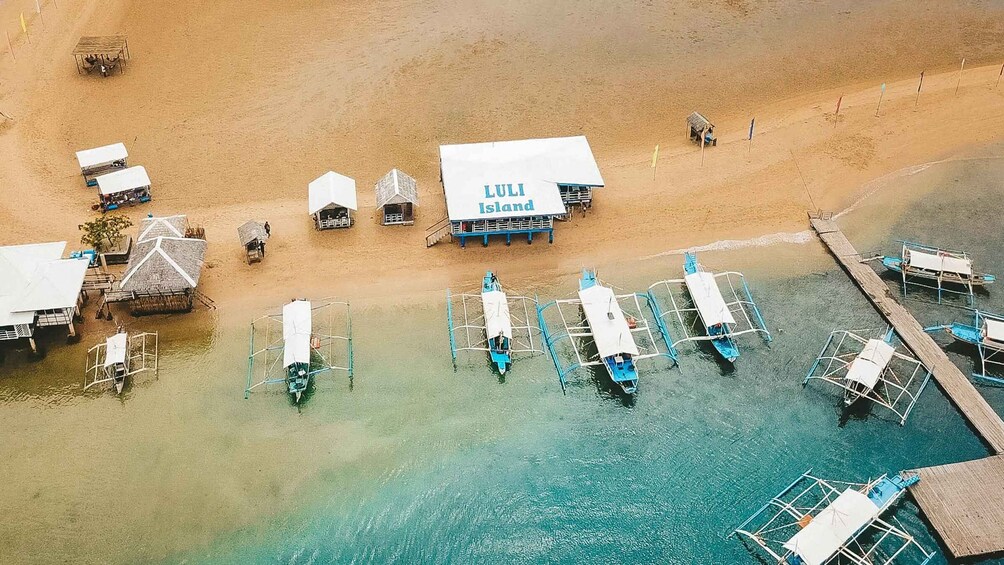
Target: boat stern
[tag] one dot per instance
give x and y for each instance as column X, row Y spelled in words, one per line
column 501, row 360
column 623, row 372
column 892, row 263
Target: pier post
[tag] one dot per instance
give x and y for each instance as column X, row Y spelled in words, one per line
column 34, row 346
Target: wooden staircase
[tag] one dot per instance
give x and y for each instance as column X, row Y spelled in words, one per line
column 438, row 231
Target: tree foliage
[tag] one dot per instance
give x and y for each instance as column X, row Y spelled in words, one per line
column 102, row 233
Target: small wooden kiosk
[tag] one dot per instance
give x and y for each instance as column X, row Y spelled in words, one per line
column 104, row 54
column 700, row 130
column 397, row 195
column 253, row 235
column 331, row 201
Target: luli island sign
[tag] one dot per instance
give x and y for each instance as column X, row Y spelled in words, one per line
column 505, row 198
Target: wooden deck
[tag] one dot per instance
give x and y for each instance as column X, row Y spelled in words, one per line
column 963, row 501
column 965, row 504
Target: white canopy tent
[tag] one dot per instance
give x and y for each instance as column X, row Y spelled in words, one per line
column 116, row 349
column 497, row 319
column 331, row 188
column 868, row 366
column 297, row 326
column 703, row 289
column 104, row 156
column 833, row 527
column 940, row 262
column 606, row 322
column 122, row 181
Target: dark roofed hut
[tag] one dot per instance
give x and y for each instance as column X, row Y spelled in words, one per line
column 252, row 235
column 397, row 196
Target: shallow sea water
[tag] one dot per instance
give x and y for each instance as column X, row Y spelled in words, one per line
column 418, row 463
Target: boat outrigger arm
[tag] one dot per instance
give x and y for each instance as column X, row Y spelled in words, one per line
column 816, row 521
column 717, row 317
column 871, row 369
column 568, row 335
column 493, row 322
column 986, row 333
column 933, row 268
column 292, row 352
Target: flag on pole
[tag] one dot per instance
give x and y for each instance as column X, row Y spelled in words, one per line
column 839, row 100
column 24, row 26
column 38, row 8
column 751, row 128
column 921, row 82
column 655, row 156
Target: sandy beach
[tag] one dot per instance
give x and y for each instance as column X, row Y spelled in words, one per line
column 233, row 110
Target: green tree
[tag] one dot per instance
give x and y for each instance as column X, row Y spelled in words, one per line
column 102, row 233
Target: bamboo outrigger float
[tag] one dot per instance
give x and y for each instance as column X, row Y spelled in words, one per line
column 871, row 369
column 986, row 332
column 720, row 321
column 816, row 521
column 121, row 356
column 612, row 325
column 486, row 322
column 934, row 268
column 299, row 344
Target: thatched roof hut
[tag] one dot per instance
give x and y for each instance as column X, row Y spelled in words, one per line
column 165, row 265
column 397, row 195
column 168, row 226
column 253, row 235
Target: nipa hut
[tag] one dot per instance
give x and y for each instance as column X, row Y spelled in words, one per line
column 164, row 267
column 397, row 196
column 253, row 235
column 331, row 201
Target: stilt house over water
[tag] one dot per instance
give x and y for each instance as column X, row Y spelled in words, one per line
column 164, row 267
column 38, row 288
column 513, row 187
column 397, row 196
column 332, row 200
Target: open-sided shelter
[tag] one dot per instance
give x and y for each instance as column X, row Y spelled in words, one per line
column 101, row 160
column 126, row 187
column 332, row 200
column 101, row 53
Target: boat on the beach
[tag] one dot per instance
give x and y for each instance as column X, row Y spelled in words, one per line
column 611, row 331
column 498, row 323
column 119, row 357
column 720, row 321
column 986, row 332
column 934, row 268
column 296, row 334
column 816, row 521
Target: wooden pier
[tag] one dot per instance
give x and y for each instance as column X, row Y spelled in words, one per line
column 963, row 501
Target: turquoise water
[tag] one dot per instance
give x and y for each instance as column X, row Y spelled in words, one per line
column 418, row 463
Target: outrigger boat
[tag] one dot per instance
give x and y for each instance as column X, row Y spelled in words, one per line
column 816, row 521
column 485, row 322
column 986, row 332
column 871, row 369
column 296, row 333
column 119, row 357
column 939, row 266
column 721, row 321
column 611, row 331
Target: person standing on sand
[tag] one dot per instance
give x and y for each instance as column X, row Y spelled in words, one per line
column 268, row 229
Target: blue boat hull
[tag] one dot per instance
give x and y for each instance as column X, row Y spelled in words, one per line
column 624, row 374
column 297, row 379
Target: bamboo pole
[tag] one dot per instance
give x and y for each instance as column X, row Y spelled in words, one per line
column 10, row 47
column 958, row 84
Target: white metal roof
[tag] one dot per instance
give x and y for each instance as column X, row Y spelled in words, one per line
column 121, row 181
column 536, row 165
column 833, row 527
column 606, row 322
column 939, row 262
column 296, row 329
column 116, row 349
column 54, row 285
column 104, row 155
column 34, row 277
column 993, row 329
column 331, row 188
column 497, row 320
column 867, row 367
column 707, row 297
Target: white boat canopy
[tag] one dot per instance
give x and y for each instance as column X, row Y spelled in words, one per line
column 121, row 181
column 833, row 527
column 707, row 297
column 116, row 349
column 993, row 330
column 497, row 319
column 867, row 367
column 606, row 322
column 296, row 329
column 940, row 262
column 99, row 156
column 511, row 179
column 331, row 188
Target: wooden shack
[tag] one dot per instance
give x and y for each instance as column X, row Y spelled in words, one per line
column 700, row 130
column 103, row 54
column 332, row 200
column 252, row 235
column 397, row 196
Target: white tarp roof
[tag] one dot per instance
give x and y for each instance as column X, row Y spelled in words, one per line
column 331, row 188
column 34, row 277
column 833, row 527
column 538, row 164
column 116, row 349
column 101, row 155
column 497, row 320
column 938, row 263
column 994, row 329
column 707, row 297
column 296, row 329
column 121, row 181
column 611, row 333
column 867, row 367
